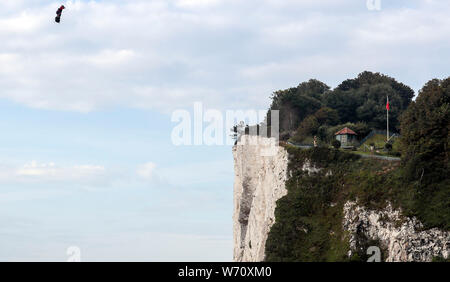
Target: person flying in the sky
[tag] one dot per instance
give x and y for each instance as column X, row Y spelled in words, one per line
column 58, row 13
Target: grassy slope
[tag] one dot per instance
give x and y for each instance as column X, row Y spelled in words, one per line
column 379, row 140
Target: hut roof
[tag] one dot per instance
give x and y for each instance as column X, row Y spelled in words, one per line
column 345, row 130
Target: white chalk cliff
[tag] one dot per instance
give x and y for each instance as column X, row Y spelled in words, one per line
column 401, row 237
column 260, row 174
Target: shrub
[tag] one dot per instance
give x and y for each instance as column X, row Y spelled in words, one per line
column 336, row 144
column 440, row 259
column 388, row 146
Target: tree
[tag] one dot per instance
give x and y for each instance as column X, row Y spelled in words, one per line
column 425, row 143
column 425, row 135
column 364, row 99
column 361, row 99
column 316, row 124
column 370, row 78
column 327, row 116
column 343, row 102
column 296, row 103
column 307, row 127
column 313, row 88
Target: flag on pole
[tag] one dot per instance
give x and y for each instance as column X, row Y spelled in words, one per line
column 387, row 118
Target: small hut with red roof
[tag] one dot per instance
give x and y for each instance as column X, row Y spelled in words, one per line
column 346, row 136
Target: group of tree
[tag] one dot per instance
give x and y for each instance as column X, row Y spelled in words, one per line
column 425, row 139
column 313, row 108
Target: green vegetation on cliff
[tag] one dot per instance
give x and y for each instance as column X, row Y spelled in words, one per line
column 308, row 225
column 308, row 220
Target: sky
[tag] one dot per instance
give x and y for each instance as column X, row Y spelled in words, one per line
column 86, row 155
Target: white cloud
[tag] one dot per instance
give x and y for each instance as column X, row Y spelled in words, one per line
column 165, row 55
column 22, row 23
column 111, row 58
column 407, row 27
column 35, row 169
column 196, row 3
column 37, row 172
column 147, row 170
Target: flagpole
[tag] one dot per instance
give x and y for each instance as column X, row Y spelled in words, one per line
column 387, row 119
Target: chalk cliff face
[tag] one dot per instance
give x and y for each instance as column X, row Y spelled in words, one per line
column 401, row 237
column 260, row 176
column 261, row 171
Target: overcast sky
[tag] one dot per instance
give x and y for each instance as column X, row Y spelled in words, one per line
column 86, row 157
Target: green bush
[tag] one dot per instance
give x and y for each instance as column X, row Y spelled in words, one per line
column 336, row 144
column 388, row 146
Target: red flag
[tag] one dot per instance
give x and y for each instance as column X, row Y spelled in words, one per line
column 387, row 104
